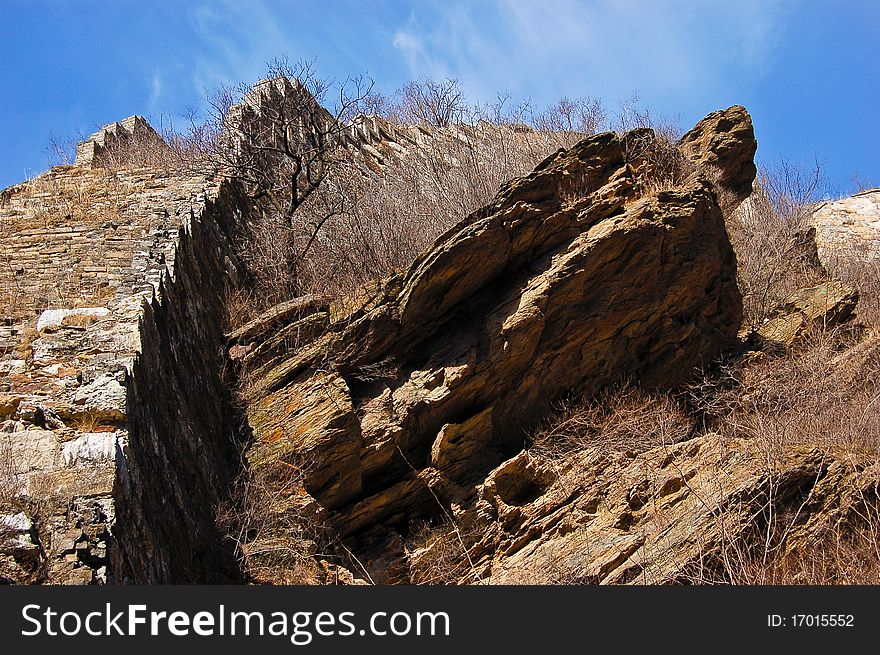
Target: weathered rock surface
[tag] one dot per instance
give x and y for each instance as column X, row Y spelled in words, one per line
column 725, row 141
column 675, row 513
column 848, row 228
column 567, row 282
column 823, row 306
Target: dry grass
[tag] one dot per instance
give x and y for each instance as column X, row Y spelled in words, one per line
column 825, row 393
column 273, row 525
column 91, row 421
column 624, row 419
column 66, row 194
column 439, row 554
column 773, row 553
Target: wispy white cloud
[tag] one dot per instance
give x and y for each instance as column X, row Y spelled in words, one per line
column 675, row 53
column 609, row 48
column 154, row 103
column 238, row 40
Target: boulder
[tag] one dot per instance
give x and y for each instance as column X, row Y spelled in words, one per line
column 823, row 305
column 725, row 141
column 568, row 282
column 848, row 229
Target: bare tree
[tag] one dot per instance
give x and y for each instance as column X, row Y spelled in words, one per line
column 582, row 116
column 439, row 103
column 279, row 140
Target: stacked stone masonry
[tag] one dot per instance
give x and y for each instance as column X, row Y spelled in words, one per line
column 99, row 270
column 114, row 415
column 95, row 151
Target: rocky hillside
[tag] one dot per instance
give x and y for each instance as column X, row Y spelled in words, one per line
column 560, row 388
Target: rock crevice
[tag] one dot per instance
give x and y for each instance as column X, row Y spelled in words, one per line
column 571, row 280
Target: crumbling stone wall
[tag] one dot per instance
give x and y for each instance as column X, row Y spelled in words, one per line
column 117, row 434
column 98, row 148
column 180, row 457
column 115, row 437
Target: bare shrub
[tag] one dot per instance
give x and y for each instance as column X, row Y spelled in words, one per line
column 651, row 146
column 61, row 150
column 439, row 554
column 823, row 394
column 846, row 554
column 857, row 267
column 623, row 418
column 272, row 524
column 430, row 102
column 770, row 235
column 569, row 120
column 269, row 252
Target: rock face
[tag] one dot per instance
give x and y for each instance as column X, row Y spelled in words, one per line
column 824, row 305
column 674, row 513
column 848, row 228
column 724, row 140
column 568, row 282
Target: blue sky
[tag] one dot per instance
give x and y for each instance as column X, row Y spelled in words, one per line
column 808, row 71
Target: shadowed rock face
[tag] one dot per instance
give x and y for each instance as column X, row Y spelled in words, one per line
column 568, row 282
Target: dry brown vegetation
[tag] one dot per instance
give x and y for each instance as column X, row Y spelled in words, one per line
column 363, row 223
column 774, row 246
column 623, row 418
column 272, row 525
column 350, row 225
column 361, row 226
column 440, row 554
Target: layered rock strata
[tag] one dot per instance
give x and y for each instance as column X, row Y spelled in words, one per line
column 571, row 280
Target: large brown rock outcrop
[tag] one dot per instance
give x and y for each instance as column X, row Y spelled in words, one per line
column 688, row 512
column 568, row 282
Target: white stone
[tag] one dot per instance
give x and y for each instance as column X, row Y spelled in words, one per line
column 15, row 532
column 105, row 395
column 52, row 318
column 16, row 522
column 89, row 448
column 13, row 367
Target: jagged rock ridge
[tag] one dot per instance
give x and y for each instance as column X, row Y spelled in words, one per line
column 569, row 281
